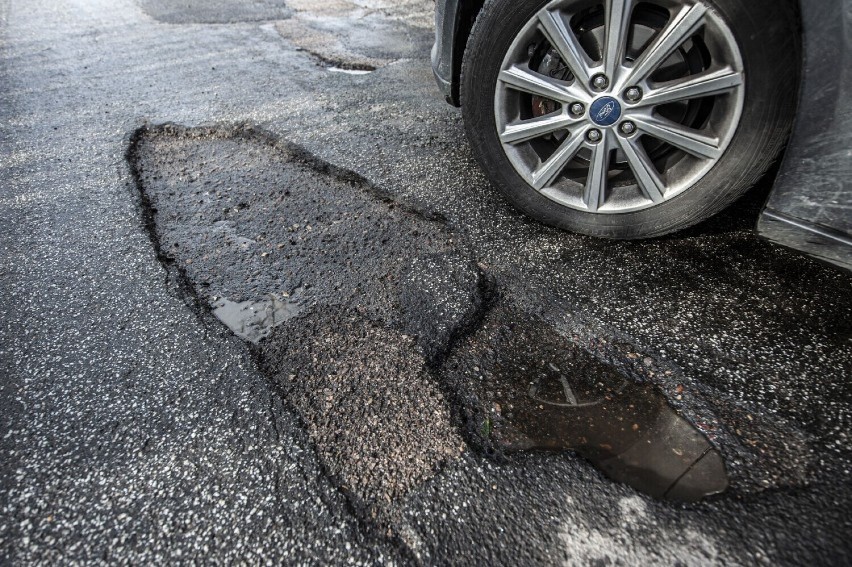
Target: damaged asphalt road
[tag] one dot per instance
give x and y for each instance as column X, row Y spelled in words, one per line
column 257, row 309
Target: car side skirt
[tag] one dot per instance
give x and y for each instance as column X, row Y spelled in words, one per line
column 820, row 242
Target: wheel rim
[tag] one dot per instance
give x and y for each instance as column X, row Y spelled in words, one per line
column 616, row 106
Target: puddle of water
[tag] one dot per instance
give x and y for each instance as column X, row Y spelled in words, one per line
column 561, row 398
column 349, row 71
column 253, row 321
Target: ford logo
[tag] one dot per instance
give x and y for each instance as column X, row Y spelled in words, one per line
column 605, row 111
column 608, row 109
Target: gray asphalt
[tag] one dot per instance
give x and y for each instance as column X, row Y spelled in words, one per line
column 137, row 428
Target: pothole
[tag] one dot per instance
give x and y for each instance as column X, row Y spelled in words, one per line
column 369, row 317
column 215, row 11
column 309, row 264
column 346, row 37
column 537, row 391
column 625, row 429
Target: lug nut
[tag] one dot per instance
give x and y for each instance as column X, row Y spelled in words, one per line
column 600, row 82
column 577, row 109
column 633, row 94
column 628, row 128
column 594, row 136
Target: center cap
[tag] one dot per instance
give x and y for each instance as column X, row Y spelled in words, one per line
column 605, row 111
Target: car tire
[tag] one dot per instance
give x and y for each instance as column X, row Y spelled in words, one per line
column 766, row 34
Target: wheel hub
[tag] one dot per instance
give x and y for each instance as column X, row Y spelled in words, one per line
column 605, row 111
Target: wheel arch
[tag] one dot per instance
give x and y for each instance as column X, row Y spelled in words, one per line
column 453, row 24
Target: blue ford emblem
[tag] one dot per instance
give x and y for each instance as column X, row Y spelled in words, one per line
column 605, row 111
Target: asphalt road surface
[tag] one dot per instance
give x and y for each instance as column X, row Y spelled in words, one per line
column 258, row 303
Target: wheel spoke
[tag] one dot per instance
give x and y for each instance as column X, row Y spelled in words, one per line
column 680, row 28
column 550, row 169
column 646, row 174
column 526, row 81
column 705, row 84
column 686, row 139
column 565, row 42
column 594, row 194
column 536, row 127
column 618, row 14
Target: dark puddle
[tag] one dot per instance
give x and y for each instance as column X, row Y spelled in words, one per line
column 554, row 398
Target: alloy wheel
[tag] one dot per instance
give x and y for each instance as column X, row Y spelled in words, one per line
column 620, row 105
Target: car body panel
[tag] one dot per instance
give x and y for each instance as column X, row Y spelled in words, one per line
column 810, row 208
column 446, row 57
column 446, row 16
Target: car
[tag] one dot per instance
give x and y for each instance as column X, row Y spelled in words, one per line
column 631, row 119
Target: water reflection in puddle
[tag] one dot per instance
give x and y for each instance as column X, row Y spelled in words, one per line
column 549, row 399
column 255, row 320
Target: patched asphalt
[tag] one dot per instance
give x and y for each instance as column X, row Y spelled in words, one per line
column 138, row 428
column 261, row 218
column 215, row 11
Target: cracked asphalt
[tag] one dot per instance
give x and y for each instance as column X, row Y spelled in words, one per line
column 162, row 159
